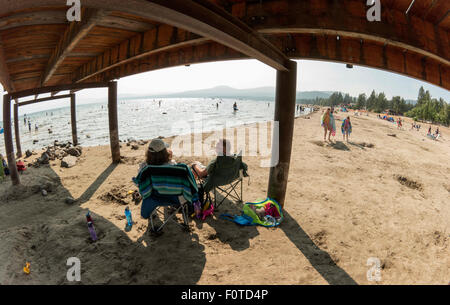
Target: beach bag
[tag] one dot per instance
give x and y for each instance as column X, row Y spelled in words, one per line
column 273, row 214
column 21, row 166
column 202, row 207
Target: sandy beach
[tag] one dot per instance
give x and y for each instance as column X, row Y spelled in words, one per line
column 384, row 195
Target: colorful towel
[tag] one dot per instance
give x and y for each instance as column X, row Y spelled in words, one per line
column 274, row 214
column 346, row 125
column 167, row 180
column 328, row 121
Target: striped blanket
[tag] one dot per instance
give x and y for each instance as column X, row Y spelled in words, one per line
column 167, row 180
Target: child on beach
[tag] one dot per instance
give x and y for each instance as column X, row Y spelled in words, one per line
column 346, row 128
column 328, row 124
column 399, row 123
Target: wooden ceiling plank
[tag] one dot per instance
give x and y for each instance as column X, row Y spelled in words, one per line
column 73, row 35
column 163, row 38
column 33, row 18
column 4, row 74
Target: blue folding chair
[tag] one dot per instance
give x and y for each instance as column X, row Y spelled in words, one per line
column 168, row 187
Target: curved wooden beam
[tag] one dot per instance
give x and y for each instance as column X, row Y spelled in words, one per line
column 75, row 32
column 200, row 17
column 348, row 17
column 160, row 39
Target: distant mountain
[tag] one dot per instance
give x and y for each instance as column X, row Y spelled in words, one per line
column 261, row 93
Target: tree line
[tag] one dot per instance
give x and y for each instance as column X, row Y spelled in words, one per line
column 426, row 108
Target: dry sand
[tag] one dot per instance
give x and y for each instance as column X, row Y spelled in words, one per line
column 377, row 196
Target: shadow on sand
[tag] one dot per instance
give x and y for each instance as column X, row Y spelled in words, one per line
column 238, row 237
column 318, row 258
column 50, row 232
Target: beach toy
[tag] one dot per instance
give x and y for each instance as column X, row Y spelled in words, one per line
column 198, row 209
column 128, row 215
column 26, row 269
column 271, row 220
column 92, row 231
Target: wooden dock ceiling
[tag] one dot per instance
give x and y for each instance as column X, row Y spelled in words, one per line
column 115, row 38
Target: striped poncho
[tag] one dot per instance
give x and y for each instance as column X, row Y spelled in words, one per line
column 167, row 180
column 327, row 120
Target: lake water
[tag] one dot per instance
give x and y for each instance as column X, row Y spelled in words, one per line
column 139, row 119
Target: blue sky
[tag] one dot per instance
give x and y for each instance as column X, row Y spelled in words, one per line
column 312, row 76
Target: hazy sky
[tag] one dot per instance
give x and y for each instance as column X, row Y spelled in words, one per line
column 312, row 75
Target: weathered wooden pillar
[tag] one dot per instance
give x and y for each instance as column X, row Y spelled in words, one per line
column 113, row 122
column 73, row 119
column 285, row 97
column 16, row 129
column 9, row 147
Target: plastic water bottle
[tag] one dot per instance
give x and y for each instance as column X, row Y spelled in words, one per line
column 88, row 217
column 92, row 231
column 128, row 215
column 198, row 209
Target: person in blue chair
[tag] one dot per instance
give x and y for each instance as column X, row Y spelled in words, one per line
column 162, row 181
column 158, row 153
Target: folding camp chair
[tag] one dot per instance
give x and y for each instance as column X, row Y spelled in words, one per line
column 226, row 178
column 169, row 213
column 166, row 187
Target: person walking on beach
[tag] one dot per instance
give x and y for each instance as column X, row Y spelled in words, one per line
column 346, row 128
column 328, row 124
column 235, row 108
column 4, row 165
column 29, row 126
column 399, row 123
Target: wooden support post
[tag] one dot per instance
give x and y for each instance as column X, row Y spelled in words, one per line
column 285, row 99
column 73, row 119
column 113, row 122
column 9, row 147
column 16, row 130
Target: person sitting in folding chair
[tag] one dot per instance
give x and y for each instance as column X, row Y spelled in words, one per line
column 163, row 185
column 224, row 174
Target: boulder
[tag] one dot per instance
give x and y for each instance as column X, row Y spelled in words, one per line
column 69, row 161
column 44, row 159
column 70, row 200
column 28, row 153
column 135, row 146
column 73, row 152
